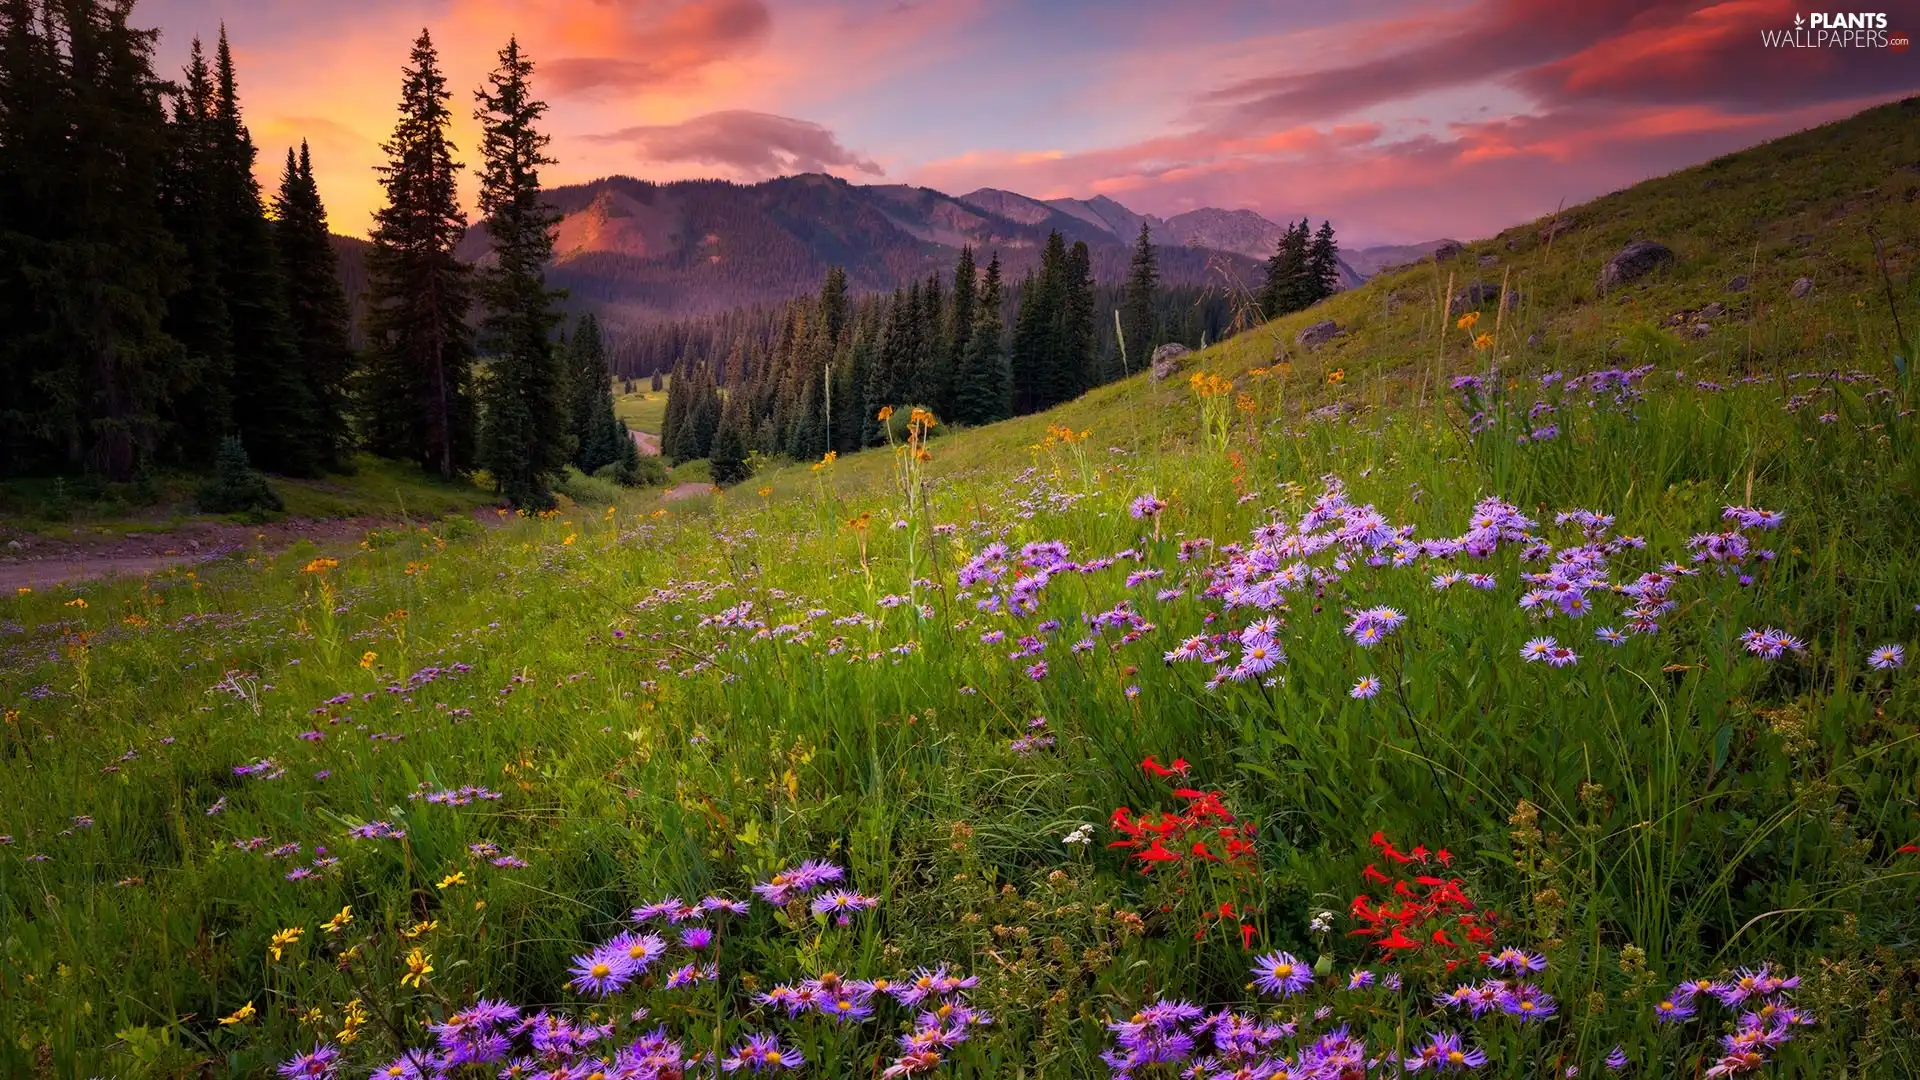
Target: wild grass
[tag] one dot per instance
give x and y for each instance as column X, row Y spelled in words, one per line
column 683, row 699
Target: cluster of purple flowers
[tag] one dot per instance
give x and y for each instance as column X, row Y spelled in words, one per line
column 460, row 796
column 1037, row 738
column 1766, row 1017
column 1770, row 644
column 1511, row 994
column 1226, row 1045
column 797, row 882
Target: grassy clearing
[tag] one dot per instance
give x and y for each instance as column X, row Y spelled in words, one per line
column 375, row 488
column 642, row 700
column 644, row 409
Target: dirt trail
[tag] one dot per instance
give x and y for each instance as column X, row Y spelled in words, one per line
column 647, row 443
column 687, row 491
column 38, row 560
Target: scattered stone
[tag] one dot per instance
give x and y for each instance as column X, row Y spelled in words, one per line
column 1633, row 262
column 1801, row 288
column 1169, row 359
column 1803, row 238
column 1448, row 250
column 1555, row 228
column 1480, row 295
column 1489, row 260
column 1700, row 329
column 1713, row 310
column 1318, row 334
column 1533, row 340
column 13, row 545
column 1738, row 284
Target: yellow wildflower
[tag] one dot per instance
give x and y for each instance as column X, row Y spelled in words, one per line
column 355, row 1015
column 885, row 413
column 1483, row 342
column 241, row 1015
column 339, row 922
column 367, row 658
column 1337, row 375
column 424, row 926
column 78, row 601
column 1466, row 321
column 568, row 542
column 320, row 566
column 419, row 966
column 284, row 938
column 458, row 877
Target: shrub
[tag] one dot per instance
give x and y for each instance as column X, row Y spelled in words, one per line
column 236, row 486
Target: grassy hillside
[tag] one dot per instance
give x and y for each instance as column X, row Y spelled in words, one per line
column 644, row 409
column 1303, row 685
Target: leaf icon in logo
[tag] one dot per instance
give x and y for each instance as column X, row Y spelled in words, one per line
column 1798, row 22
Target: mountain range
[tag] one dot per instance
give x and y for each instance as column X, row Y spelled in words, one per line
column 637, row 251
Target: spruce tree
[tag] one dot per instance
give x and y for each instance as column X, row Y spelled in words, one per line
column 316, row 304
column 1078, row 335
column 1286, row 288
column 655, row 385
column 983, row 390
column 590, row 408
column 201, row 398
column 966, row 292
column 417, row 400
column 525, row 440
column 1323, row 264
column 728, row 456
column 1138, row 327
column 86, row 261
column 273, row 410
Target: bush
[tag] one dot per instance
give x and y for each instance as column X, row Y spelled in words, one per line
column 633, row 472
column 236, row 486
column 587, row 490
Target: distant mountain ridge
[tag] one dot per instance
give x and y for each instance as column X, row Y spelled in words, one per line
column 636, row 251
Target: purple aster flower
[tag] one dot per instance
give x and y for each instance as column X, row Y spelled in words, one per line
column 1611, row 636
column 1445, row 1051
column 761, row 1053
column 319, row 1064
column 1281, row 974
column 1146, row 506
column 1527, row 1002
column 1360, row 980
column 1673, row 1011
column 696, row 937
column 1366, row 688
column 1887, row 657
column 1616, row 1059
column 721, row 904
column 602, row 972
column 1516, row 961
column 1539, row 648
column 842, row 902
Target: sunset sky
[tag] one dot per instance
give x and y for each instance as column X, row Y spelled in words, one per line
column 1400, row 120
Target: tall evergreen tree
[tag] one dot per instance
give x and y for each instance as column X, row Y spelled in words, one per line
column 966, row 292
column 983, row 388
column 596, row 430
column 273, row 409
column 1077, row 337
column 418, row 397
column 316, row 303
column 1323, row 264
column 86, row 261
column 201, row 397
column 1288, row 288
column 525, row 441
column 1137, row 322
column 728, row 456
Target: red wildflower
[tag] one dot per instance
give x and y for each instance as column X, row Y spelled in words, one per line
column 1246, row 935
column 1372, row 873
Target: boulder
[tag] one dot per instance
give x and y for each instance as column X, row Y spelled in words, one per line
column 1801, row 288
column 1700, row 329
column 1554, row 228
column 1489, row 260
column 1318, row 334
column 1169, row 359
column 1480, row 295
column 1448, row 250
column 1713, row 310
column 1633, row 262
column 1738, row 284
